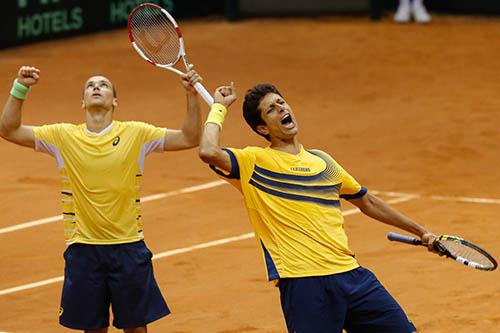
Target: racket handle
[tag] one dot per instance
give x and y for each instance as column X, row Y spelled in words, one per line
column 204, row 93
column 392, row 236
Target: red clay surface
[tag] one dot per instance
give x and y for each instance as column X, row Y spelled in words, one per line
column 403, row 108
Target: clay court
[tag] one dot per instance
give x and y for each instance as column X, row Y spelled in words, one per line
column 411, row 111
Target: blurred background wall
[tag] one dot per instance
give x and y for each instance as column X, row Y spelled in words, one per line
column 27, row 21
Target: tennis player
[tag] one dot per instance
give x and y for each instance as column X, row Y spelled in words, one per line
column 101, row 163
column 292, row 196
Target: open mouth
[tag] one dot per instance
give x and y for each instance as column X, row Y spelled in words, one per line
column 96, row 95
column 287, row 120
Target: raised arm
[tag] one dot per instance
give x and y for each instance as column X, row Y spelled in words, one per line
column 210, row 150
column 189, row 135
column 378, row 209
column 11, row 127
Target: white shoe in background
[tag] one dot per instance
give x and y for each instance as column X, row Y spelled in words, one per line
column 420, row 14
column 403, row 13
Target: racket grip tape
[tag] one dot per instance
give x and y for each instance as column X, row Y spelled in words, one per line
column 392, row 236
column 204, row 93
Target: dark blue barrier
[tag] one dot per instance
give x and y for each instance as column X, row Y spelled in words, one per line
column 240, row 9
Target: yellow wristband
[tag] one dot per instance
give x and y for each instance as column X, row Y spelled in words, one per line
column 217, row 114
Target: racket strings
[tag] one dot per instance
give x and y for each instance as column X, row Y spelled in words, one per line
column 459, row 249
column 155, row 35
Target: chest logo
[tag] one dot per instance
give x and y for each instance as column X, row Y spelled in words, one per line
column 116, row 141
column 300, row 169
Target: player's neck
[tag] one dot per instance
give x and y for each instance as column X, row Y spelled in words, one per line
column 96, row 121
column 292, row 147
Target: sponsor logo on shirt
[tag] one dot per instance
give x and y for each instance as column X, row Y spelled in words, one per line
column 300, row 169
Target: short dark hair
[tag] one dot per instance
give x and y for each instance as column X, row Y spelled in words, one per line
column 251, row 111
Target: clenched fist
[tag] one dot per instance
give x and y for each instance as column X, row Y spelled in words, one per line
column 28, row 75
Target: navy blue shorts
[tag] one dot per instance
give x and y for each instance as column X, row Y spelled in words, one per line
column 121, row 275
column 355, row 301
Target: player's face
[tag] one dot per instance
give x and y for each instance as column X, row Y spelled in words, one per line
column 278, row 116
column 98, row 93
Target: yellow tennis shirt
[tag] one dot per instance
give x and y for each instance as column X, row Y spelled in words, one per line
column 293, row 202
column 101, row 177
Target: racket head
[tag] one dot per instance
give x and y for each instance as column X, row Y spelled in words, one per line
column 465, row 252
column 155, row 35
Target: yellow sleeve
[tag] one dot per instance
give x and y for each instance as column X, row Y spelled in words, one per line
column 48, row 137
column 242, row 163
column 350, row 188
column 150, row 132
column 152, row 137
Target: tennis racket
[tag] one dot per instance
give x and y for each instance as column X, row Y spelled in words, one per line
column 456, row 248
column 155, row 35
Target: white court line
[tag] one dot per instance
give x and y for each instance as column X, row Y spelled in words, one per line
column 390, row 193
column 205, row 186
column 466, row 199
column 144, row 199
column 443, row 198
column 184, row 250
column 31, row 224
column 31, row 285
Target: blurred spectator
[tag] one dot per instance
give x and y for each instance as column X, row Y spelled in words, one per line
column 409, row 8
